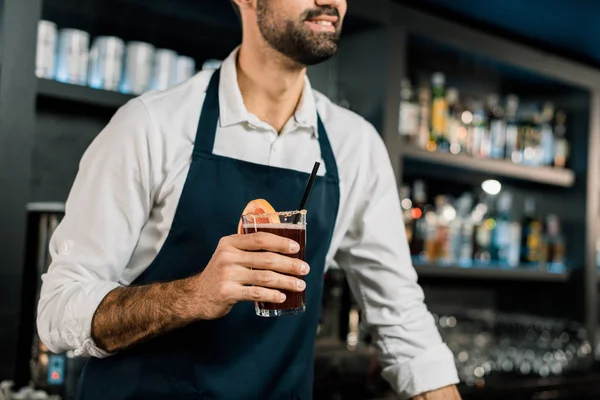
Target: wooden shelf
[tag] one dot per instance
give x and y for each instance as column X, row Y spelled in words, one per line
column 545, row 175
column 80, row 94
column 435, row 271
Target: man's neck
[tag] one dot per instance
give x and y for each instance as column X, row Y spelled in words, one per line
column 271, row 85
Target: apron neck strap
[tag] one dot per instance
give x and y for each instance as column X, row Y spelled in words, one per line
column 209, row 119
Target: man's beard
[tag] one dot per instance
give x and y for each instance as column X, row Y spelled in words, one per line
column 296, row 40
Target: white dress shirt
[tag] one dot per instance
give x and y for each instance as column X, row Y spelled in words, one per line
column 122, row 203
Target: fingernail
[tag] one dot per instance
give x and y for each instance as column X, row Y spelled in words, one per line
column 301, row 284
column 304, row 268
column 295, row 247
column 282, row 297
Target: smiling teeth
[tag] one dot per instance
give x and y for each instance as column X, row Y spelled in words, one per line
column 324, row 23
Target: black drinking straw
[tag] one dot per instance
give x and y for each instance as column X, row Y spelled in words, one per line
column 311, row 180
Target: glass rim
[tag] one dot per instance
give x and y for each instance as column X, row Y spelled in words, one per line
column 284, row 214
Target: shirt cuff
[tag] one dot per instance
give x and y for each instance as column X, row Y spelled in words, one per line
column 429, row 371
column 85, row 346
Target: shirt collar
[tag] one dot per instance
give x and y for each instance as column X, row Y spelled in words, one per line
column 231, row 103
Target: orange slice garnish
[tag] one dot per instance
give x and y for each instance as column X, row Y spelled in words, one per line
column 259, row 207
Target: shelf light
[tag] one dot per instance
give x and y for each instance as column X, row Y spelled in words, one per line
column 491, row 187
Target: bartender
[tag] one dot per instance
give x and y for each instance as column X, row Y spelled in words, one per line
column 148, row 277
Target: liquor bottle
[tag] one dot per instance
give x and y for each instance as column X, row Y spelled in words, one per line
column 424, row 116
column 485, row 222
column 465, row 134
column 506, row 234
column 554, row 245
column 408, row 124
column 419, row 228
column 531, row 235
column 479, row 131
column 547, row 135
column 453, row 121
column 445, row 215
column 496, row 127
column 461, row 233
column 438, row 140
column 561, row 146
column 512, row 134
column 407, row 214
column 531, row 136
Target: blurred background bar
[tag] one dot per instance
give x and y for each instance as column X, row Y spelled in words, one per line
column 490, row 111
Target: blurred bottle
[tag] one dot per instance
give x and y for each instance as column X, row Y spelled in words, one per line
column 424, row 116
column 461, row 233
column 530, row 135
column 445, row 216
column 531, row 235
column 438, row 139
column 408, row 124
column 419, row 225
column 485, row 222
column 547, row 135
column 496, row 127
column 479, row 132
column 512, row 132
column 465, row 135
column 453, row 121
column 561, row 146
column 554, row 244
column 406, row 204
column 506, row 235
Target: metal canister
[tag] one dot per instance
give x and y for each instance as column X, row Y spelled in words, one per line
column 184, row 70
column 106, row 63
column 139, row 57
column 73, row 56
column 45, row 60
column 164, row 71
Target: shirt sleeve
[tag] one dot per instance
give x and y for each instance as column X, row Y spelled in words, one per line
column 107, row 207
column 375, row 256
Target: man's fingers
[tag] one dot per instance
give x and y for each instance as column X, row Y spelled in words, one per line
column 261, row 294
column 273, row 262
column 273, row 280
column 264, row 241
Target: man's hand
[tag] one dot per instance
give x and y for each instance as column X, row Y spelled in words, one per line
column 243, row 260
column 130, row 315
column 445, row 393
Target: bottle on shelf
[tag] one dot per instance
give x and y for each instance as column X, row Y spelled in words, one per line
column 554, row 245
column 419, row 225
column 453, row 121
column 506, row 241
column 485, row 222
column 407, row 212
column 495, row 146
column 408, row 124
column 423, row 134
column 479, row 131
column 512, row 151
column 547, row 135
column 461, row 232
column 531, row 136
column 561, row 146
column 445, row 215
column 438, row 139
column 531, row 235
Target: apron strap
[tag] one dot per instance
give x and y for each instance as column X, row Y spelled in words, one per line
column 209, row 119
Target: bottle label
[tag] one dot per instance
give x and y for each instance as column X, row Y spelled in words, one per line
column 409, row 119
column 438, row 116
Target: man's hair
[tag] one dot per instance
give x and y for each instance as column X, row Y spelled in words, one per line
column 236, row 9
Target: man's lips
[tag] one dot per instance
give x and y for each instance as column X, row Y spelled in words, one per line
column 323, row 23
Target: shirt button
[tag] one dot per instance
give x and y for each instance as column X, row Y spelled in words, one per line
column 64, row 248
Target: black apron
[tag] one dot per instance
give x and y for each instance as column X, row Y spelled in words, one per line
column 240, row 356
